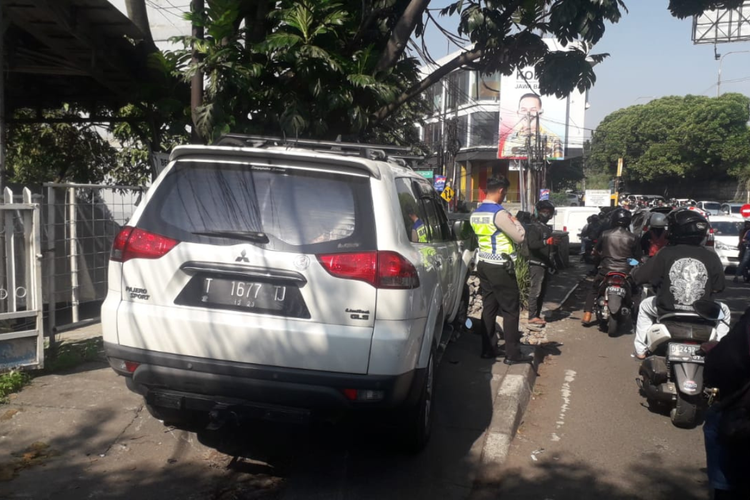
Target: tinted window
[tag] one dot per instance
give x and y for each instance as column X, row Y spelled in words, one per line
column 433, row 219
column 726, row 228
column 411, row 209
column 299, row 210
column 711, row 206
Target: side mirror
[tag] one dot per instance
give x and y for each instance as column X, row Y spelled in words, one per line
column 462, row 230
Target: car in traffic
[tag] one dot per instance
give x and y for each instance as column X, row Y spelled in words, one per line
column 726, row 235
column 280, row 280
column 710, row 207
column 731, row 208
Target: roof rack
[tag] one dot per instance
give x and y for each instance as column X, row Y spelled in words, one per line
column 370, row 151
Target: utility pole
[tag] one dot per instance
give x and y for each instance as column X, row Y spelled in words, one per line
column 3, row 131
column 196, row 84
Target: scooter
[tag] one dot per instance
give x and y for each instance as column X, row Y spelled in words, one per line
column 672, row 374
column 613, row 303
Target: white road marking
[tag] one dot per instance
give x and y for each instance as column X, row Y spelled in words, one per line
column 570, row 376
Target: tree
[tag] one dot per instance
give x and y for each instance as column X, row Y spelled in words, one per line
column 676, row 137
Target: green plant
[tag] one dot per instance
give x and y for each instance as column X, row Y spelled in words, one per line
column 69, row 355
column 523, row 278
column 12, row 382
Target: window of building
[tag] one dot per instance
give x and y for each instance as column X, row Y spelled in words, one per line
column 458, row 88
column 484, row 129
column 487, row 87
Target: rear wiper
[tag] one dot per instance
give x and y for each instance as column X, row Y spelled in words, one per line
column 254, row 236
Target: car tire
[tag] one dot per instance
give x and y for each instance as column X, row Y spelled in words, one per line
column 416, row 426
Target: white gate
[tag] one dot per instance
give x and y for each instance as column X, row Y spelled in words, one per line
column 21, row 332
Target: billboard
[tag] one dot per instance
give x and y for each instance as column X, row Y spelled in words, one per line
column 530, row 121
column 723, row 25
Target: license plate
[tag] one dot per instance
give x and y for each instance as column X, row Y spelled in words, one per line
column 684, row 352
column 616, row 290
column 244, row 294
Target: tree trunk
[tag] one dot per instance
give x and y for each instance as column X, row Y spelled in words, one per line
column 139, row 15
column 196, row 84
column 401, row 34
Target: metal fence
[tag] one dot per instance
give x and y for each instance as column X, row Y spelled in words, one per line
column 21, row 322
column 80, row 222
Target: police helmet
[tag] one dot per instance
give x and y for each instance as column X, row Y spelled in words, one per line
column 621, row 217
column 687, row 226
column 658, row 221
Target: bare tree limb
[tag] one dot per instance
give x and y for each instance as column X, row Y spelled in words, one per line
column 434, row 77
column 401, row 34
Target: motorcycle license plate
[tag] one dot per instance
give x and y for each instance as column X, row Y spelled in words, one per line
column 685, row 353
column 615, row 290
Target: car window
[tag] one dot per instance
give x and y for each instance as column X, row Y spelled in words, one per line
column 433, row 219
column 304, row 211
column 726, row 228
column 736, row 209
column 412, row 211
column 711, row 206
column 445, row 228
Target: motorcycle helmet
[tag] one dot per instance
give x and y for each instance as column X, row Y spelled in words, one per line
column 621, row 218
column 686, row 226
column 657, row 221
column 544, row 210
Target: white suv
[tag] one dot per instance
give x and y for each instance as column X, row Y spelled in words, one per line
column 281, row 282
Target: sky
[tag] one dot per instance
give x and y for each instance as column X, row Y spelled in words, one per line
column 651, row 55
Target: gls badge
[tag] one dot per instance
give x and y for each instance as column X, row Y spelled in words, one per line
column 358, row 314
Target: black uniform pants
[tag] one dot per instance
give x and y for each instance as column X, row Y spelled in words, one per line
column 499, row 295
column 537, row 289
column 594, row 291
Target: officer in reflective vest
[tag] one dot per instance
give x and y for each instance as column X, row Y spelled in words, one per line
column 418, row 229
column 498, row 233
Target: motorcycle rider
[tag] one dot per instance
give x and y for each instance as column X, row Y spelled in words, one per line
column 656, row 237
column 744, row 254
column 540, row 241
column 617, row 246
column 682, row 272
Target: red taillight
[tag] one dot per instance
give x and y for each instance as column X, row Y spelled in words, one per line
column 710, row 240
column 380, row 269
column 350, row 394
column 130, row 366
column 134, row 243
column 565, row 229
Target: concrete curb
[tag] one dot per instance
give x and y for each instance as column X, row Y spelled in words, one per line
column 508, row 407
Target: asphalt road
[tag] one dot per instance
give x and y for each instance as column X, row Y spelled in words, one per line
column 588, row 434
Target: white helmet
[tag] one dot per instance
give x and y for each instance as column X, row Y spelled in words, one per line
column 658, row 220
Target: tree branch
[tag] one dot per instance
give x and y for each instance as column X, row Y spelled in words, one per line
column 401, row 34
column 434, row 77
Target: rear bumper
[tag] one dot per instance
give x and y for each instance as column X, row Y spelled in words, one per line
column 186, row 382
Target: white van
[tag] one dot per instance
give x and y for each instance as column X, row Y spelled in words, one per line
column 572, row 220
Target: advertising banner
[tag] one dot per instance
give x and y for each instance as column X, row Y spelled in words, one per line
column 530, row 121
column 597, row 198
column 439, row 183
column 543, row 194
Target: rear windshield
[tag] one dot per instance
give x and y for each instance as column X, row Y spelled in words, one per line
column 711, row 206
column 303, row 211
column 726, row 228
column 735, row 208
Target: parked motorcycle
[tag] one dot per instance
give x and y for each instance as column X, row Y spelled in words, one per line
column 614, row 302
column 673, row 372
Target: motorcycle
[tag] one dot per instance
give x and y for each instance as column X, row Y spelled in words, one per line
column 613, row 303
column 672, row 374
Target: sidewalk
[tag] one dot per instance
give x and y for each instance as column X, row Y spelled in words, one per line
column 82, row 434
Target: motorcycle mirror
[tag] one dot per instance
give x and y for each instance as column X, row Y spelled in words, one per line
column 708, row 309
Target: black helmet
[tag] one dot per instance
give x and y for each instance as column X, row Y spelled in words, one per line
column 621, row 217
column 544, row 205
column 687, row 226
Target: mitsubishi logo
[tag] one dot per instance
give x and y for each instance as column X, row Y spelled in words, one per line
column 242, row 257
